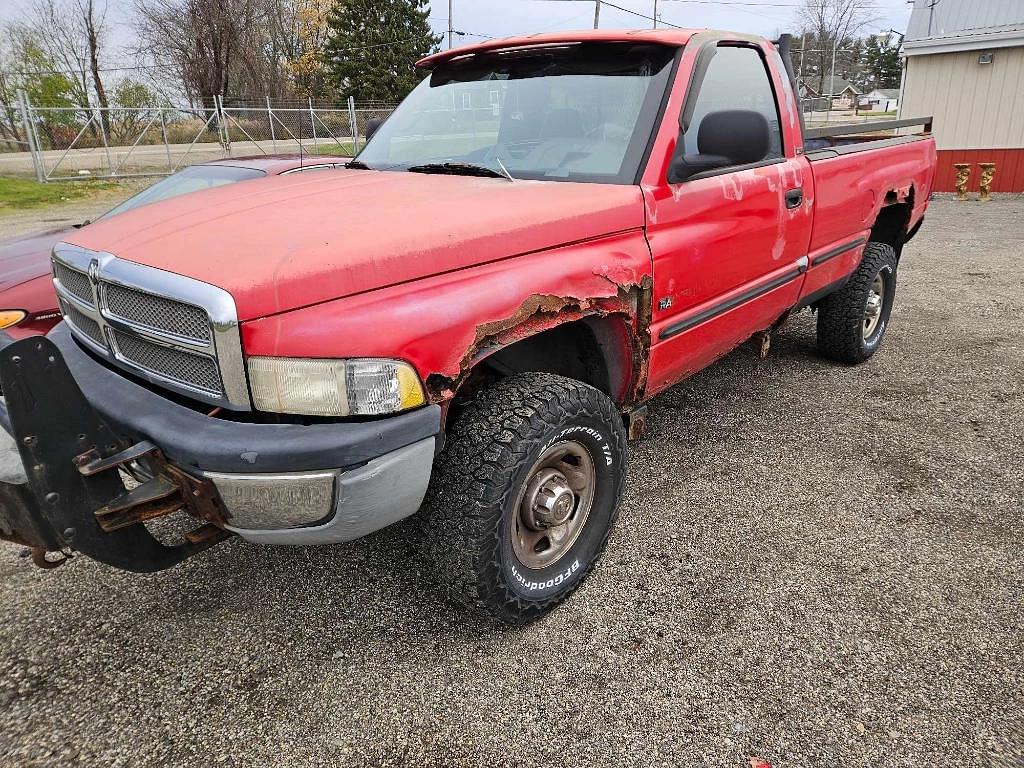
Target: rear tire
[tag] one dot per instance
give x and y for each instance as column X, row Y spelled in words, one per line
column 524, row 495
column 853, row 320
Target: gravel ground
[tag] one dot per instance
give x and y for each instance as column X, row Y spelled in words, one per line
column 815, row 565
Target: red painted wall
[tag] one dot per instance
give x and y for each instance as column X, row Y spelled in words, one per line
column 1009, row 168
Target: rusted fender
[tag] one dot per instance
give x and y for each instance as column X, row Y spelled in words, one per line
column 444, row 324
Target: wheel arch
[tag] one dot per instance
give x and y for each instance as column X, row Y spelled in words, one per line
column 892, row 224
column 602, row 349
column 595, row 349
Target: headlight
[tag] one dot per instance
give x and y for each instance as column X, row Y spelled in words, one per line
column 368, row 387
column 9, row 317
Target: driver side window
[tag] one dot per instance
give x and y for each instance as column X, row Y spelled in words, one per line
column 736, row 78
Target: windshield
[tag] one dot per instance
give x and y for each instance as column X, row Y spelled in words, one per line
column 572, row 113
column 193, row 179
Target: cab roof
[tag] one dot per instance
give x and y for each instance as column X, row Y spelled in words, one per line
column 671, row 37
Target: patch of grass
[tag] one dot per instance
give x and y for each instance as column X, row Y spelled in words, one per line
column 344, row 149
column 24, row 193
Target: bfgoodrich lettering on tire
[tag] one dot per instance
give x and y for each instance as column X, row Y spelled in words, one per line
column 853, row 320
column 524, row 494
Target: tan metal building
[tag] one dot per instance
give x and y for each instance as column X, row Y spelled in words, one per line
column 964, row 64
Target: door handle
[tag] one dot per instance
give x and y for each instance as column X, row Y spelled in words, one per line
column 794, row 197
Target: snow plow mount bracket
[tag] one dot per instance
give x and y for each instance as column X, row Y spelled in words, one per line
column 73, row 496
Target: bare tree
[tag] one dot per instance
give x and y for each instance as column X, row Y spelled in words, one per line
column 91, row 21
column 72, row 33
column 300, row 32
column 216, row 47
column 238, row 49
column 831, row 24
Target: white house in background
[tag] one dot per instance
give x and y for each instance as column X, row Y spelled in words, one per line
column 842, row 92
column 880, row 100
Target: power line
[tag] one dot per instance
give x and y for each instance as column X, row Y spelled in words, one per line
column 641, row 15
column 661, row 18
column 46, row 72
column 753, row 3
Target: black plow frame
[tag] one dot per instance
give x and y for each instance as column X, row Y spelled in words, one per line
column 73, row 497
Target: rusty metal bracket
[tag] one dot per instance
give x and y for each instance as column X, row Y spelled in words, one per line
column 40, row 559
column 166, row 491
column 762, row 341
column 636, row 422
column 91, row 463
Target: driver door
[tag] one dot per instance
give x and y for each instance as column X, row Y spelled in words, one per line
column 729, row 245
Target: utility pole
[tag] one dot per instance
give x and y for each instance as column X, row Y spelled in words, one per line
column 800, row 76
column 931, row 15
column 800, row 71
column 597, row 13
column 832, row 80
column 655, row 14
column 451, row 23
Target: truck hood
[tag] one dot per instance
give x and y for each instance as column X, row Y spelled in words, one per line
column 293, row 241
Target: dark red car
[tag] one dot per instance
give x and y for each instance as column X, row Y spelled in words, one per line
column 28, row 303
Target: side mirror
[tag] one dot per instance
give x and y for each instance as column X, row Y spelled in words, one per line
column 684, row 166
column 372, row 125
column 726, row 138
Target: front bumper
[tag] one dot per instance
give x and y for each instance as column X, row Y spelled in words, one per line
column 276, row 483
column 359, row 500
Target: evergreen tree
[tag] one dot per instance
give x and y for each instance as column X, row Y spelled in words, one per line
column 881, row 65
column 374, row 44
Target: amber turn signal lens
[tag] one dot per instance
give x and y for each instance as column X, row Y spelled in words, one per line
column 9, row 317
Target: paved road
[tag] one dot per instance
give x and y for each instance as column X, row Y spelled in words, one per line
column 816, row 565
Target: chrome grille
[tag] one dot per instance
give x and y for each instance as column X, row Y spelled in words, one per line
column 156, row 312
column 190, row 369
column 82, row 322
column 174, row 331
column 76, row 283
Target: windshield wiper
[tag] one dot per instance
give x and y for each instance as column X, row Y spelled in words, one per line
column 359, row 165
column 458, row 169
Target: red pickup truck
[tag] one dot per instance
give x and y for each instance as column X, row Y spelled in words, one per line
column 466, row 323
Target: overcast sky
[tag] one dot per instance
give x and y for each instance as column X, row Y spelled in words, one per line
column 765, row 17
column 499, row 18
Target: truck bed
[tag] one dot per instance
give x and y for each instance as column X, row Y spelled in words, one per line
column 834, row 140
column 857, row 172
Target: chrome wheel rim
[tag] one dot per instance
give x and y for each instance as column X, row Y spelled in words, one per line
column 554, row 504
column 873, row 310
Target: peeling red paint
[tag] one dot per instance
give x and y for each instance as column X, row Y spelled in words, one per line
column 543, row 312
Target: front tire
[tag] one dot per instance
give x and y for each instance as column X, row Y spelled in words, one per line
column 853, row 320
column 524, row 494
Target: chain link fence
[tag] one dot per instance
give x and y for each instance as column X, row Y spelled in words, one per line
column 63, row 143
